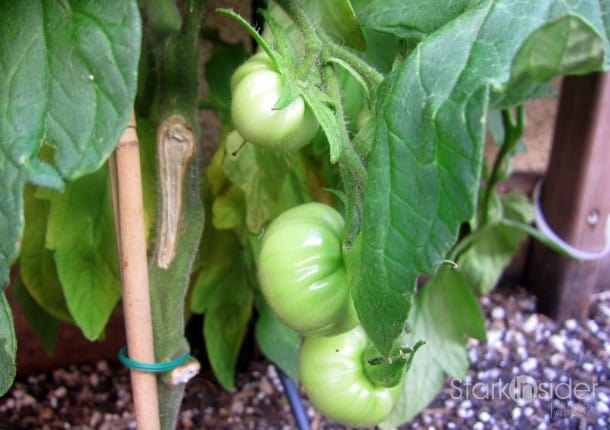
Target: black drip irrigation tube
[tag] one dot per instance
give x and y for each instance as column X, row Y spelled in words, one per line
column 296, row 405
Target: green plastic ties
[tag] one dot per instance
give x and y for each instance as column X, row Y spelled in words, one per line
column 151, row 367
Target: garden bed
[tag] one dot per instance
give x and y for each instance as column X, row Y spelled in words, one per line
column 565, row 360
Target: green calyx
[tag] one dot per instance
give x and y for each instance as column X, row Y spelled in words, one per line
column 388, row 371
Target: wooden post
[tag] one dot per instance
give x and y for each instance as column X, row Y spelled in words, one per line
column 575, row 198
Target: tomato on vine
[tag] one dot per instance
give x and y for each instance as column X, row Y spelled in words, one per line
column 332, row 372
column 256, row 88
column 302, row 273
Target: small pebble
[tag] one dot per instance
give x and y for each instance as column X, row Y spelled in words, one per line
column 602, row 408
column 102, row 366
column 60, row 392
column 529, row 365
column 558, row 342
column 494, row 338
column 571, row 324
column 516, row 413
column 557, row 359
column 592, row 326
column 549, row 374
column 484, row 416
column 530, row 324
column 575, row 345
column 498, row 313
column 466, row 404
column 465, row 413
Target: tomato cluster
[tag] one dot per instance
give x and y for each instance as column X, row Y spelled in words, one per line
column 301, row 267
column 302, row 275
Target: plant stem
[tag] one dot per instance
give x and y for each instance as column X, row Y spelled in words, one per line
column 177, row 142
column 312, row 43
column 372, row 77
column 348, row 156
column 129, row 221
column 513, row 131
column 351, row 166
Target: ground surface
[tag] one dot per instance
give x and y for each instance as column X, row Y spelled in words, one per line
column 522, row 346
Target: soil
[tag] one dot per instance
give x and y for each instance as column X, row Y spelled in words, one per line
column 521, row 344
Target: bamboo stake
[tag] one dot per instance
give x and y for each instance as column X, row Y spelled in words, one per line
column 126, row 184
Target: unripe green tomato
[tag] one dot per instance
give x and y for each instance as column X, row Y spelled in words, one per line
column 256, row 87
column 302, row 274
column 332, row 373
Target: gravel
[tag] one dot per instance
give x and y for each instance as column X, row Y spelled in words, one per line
column 531, row 373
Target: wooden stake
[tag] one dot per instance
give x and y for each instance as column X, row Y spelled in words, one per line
column 575, row 198
column 126, row 186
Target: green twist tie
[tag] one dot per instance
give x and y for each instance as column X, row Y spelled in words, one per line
column 151, row 367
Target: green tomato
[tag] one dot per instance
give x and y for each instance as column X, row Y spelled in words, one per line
column 256, row 87
column 302, row 274
column 333, row 376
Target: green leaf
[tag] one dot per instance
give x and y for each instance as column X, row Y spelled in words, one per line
column 224, row 329
column 68, row 82
column 424, row 169
column 223, row 294
column 45, row 325
column 517, row 207
column 413, row 19
column 278, row 342
column 8, row 346
column 37, row 264
column 383, row 56
column 336, row 17
column 444, row 313
column 81, row 233
column 485, row 260
column 228, row 209
column 226, row 321
column 260, row 174
column 496, row 243
column 335, row 134
column 566, row 45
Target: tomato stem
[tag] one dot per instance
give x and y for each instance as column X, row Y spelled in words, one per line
column 352, row 169
column 178, row 65
column 513, row 131
column 343, row 55
column 312, row 43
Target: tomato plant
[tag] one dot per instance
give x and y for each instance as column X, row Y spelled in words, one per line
column 301, row 271
column 396, row 98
